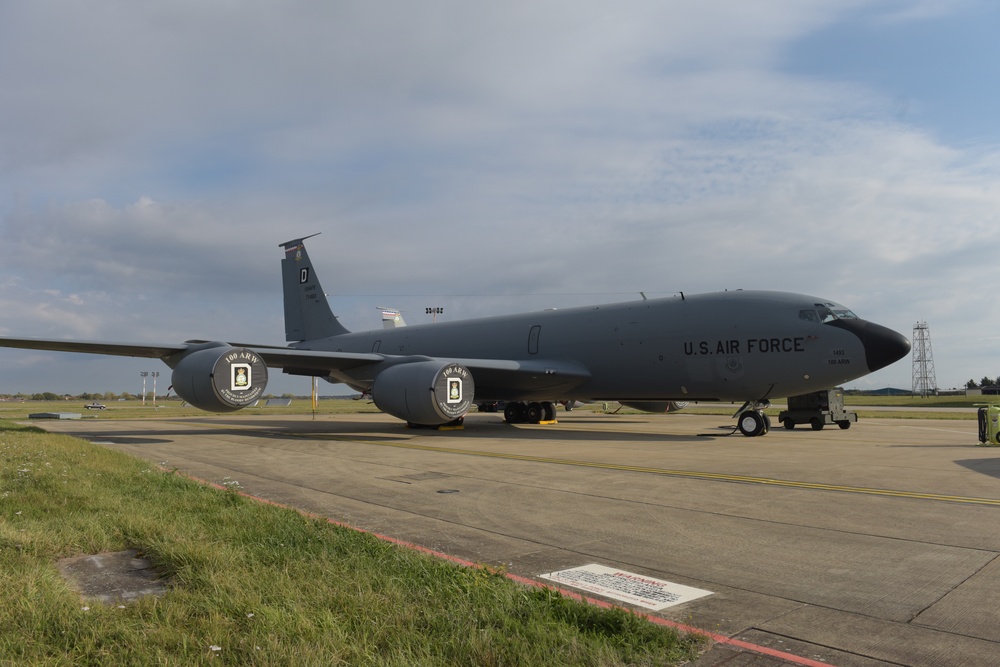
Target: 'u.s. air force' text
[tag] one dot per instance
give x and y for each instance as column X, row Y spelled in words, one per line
column 747, row 346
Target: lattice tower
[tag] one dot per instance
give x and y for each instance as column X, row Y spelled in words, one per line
column 924, row 381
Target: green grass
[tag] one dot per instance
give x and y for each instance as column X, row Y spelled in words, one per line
column 253, row 584
column 918, row 402
column 175, row 408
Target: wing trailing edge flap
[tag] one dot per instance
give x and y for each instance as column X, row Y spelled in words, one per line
column 502, row 374
column 314, row 360
column 497, row 377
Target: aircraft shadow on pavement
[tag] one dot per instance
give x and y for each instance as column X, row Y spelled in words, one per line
column 122, row 439
column 498, row 430
column 989, row 467
column 482, row 428
column 361, row 430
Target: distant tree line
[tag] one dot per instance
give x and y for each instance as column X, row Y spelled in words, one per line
column 985, row 382
column 86, row 396
column 110, row 396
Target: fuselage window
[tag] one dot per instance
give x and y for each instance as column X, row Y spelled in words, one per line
column 533, row 339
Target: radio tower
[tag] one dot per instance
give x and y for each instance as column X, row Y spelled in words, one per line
column 924, row 381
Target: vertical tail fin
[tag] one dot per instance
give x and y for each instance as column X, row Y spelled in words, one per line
column 307, row 312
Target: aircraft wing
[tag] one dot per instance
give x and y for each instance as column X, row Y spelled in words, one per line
column 493, row 376
column 501, row 373
column 95, row 347
column 275, row 356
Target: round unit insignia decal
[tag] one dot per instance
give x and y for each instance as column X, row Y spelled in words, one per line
column 240, row 376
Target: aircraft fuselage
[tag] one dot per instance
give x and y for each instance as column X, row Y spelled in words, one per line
column 727, row 346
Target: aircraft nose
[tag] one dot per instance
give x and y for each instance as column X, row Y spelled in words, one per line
column 883, row 346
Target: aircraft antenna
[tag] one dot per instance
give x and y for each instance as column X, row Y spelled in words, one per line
column 924, row 380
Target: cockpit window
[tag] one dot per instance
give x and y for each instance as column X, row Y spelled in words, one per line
column 827, row 312
column 808, row 315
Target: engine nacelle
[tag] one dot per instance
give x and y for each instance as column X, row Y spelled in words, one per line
column 221, row 378
column 428, row 393
column 656, row 406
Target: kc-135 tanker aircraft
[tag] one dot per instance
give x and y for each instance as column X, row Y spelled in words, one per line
column 749, row 346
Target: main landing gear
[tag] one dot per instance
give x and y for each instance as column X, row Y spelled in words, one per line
column 752, row 421
column 529, row 413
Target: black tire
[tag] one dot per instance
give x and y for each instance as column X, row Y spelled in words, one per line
column 533, row 414
column 513, row 413
column 844, row 424
column 751, row 424
column 816, row 423
column 789, row 424
column 548, row 411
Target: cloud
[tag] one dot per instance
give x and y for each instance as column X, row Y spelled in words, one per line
column 153, row 156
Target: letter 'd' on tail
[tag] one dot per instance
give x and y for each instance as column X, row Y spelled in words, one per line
column 307, row 312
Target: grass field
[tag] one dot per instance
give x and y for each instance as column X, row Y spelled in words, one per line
column 918, row 402
column 254, row 584
column 173, row 408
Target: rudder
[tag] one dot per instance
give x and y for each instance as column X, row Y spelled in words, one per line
column 307, row 312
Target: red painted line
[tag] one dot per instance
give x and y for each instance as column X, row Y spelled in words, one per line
column 656, row 620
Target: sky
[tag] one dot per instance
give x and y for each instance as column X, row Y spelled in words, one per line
column 490, row 158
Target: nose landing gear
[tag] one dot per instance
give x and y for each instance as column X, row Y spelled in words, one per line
column 752, row 421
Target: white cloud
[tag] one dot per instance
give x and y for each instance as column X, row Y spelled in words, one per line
column 154, row 156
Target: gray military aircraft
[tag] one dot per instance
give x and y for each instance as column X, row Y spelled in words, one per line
column 745, row 346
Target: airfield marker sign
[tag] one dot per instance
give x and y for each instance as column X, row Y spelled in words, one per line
column 639, row 590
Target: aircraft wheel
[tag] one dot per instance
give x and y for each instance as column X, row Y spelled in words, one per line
column 534, row 413
column 548, row 411
column 816, row 424
column 751, row 424
column 513, row 413
column 789, row 424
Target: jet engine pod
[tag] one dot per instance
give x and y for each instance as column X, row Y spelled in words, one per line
column 428, row 393
column 220, row 379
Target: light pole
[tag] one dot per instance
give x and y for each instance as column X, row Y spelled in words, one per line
column 435, row 312
column 143, row 374
column 155, row 375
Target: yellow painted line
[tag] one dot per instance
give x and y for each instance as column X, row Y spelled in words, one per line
column 690, row 474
